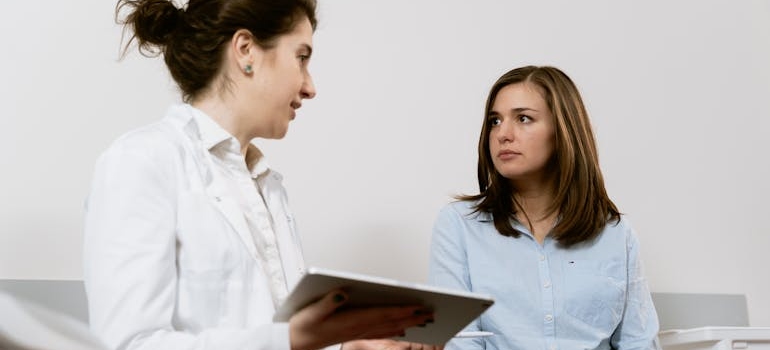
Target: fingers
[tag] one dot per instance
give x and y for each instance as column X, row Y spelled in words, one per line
column 331, row 301
column 324, row 323
column 387, row 344
column 383, row 322
column 409, row 315
column 325, row 306
column 416, row 346
column 304, row 330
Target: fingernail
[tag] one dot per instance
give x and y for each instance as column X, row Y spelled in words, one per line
column 338, row 298
column 419, row 312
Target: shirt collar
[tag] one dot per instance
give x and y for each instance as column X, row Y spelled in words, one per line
column 213, row 136
column 256, row 162
column 482, row 216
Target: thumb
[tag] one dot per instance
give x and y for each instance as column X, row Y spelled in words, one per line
column 327, row 305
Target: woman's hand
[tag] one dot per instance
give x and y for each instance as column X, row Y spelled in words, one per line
column 387, row 344
column 321, row 324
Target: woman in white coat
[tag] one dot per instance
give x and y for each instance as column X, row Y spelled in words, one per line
column 189, row 241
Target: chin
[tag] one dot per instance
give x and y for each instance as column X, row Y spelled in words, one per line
column 280, row 134
column 512, row 174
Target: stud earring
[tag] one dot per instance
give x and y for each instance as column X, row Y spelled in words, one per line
column 248, row 69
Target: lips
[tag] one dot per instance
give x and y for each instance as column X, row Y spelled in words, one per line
column 295, row 106
column 507, row 154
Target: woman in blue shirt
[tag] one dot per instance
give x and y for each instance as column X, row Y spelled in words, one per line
column 542, row 236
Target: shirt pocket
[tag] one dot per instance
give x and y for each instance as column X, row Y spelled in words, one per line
column 595, row 292
column 208, row 261
column 206, row 243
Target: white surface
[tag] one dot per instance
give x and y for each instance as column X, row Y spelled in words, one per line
column 716, row 338
column 677, row 92
column 687, row 310
column 474, row 334
column 25, row 325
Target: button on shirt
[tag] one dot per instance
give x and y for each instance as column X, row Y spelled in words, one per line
column 589, row 296
column 247, row 175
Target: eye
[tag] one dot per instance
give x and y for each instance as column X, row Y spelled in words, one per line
column 524, row 119
column 303, row 58
column 494, row 121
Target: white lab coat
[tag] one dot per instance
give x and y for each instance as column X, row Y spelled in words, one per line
column 169, row 260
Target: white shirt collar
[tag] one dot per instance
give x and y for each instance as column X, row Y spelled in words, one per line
column 213, row 136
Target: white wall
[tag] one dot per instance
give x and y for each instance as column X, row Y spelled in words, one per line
column 677, row 92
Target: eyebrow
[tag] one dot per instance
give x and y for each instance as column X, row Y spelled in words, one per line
column 514, row 110
column 522, row 109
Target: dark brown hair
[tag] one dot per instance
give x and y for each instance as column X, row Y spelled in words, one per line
column 192, row 38
column 580, row 199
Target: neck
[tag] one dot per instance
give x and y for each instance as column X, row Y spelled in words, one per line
column 534, row 199
column 221, row 111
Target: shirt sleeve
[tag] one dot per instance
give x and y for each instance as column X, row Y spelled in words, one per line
column 639, row 327
column 130, row 260
column 448, row 266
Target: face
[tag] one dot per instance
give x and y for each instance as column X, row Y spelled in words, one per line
column 281, row 81
column 522, row 133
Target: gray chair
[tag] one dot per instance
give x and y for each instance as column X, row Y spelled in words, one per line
column 66, row 297
column 689, row 310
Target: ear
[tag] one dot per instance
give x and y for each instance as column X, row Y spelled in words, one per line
column 244, row 50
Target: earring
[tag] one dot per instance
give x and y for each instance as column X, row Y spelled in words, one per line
column 248, row 69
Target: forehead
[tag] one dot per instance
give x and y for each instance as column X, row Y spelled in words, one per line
column 520, row 95
column 301, row 34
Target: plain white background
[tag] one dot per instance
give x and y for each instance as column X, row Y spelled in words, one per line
column 677, row 91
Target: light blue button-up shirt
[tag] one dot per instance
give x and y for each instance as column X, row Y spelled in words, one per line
column 589, row 296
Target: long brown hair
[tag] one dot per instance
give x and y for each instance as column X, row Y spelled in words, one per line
column 192, row 38
column 580, row 199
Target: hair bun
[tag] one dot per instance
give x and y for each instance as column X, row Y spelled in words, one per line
column 154, row 21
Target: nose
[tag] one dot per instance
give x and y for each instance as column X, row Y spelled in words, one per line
column 308, row 88
column 504, row 132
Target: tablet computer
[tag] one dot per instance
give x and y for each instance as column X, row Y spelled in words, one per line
column 452, row 309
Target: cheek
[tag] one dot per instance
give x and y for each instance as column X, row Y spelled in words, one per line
column 545, row 152
column 550, row 145
column 492, row 138
column 493, row 149
column 543, row 141
column 296, row 76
